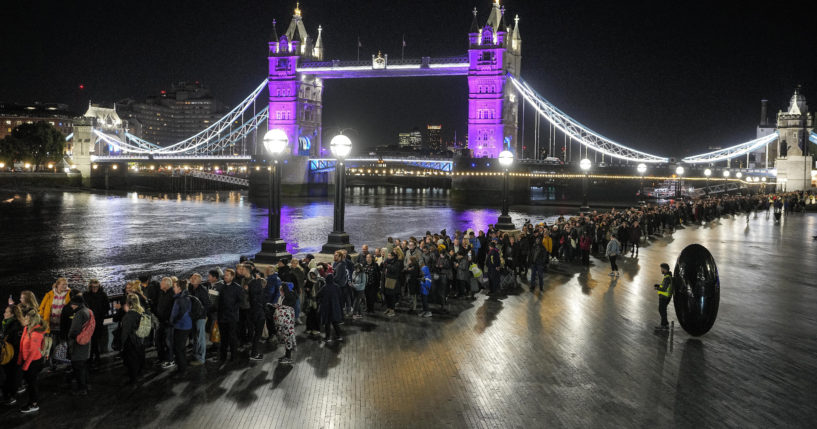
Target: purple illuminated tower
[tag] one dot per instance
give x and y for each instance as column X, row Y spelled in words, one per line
column 492, row 101
column 295, row 101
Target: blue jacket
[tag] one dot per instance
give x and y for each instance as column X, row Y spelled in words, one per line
column 180, row 315
column 360, row 280
column 425, row 283
column 272, row 289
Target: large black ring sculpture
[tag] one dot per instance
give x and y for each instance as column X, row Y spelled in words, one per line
column 697, row 290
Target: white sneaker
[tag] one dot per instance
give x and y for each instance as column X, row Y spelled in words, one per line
column 612, row 273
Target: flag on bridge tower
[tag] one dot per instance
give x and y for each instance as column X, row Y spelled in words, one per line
column 403, row 49
column 359, row 45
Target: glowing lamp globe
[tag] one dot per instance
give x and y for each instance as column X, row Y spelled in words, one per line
column 726, row 173
column 584, row 164
column 340, row 146
column 679, row 171
column 707, row 172
column 763, row 179
column 642, row 168
column 276, row 141
column 738, row 174
column 505, row 158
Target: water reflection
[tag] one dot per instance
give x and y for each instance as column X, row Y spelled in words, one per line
column 117, row 236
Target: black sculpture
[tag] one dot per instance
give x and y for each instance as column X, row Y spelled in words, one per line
column 697, row 289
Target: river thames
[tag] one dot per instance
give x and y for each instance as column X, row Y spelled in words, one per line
column 114, row 237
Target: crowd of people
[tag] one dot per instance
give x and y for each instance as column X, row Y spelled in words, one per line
column 234, row 310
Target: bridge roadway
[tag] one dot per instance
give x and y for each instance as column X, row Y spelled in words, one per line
column 580, row 354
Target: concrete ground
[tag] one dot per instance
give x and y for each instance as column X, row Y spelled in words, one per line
column 582, row 353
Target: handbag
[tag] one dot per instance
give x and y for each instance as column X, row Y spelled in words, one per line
column 391, row 283
column 215, row 334
column 61, row 352
column 6, row 353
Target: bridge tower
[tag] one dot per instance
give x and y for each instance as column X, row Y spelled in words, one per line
column 83, row 146
column 495, row 50
column 295, row 101
column 793, row 159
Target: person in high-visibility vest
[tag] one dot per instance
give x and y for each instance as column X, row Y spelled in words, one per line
column 664, row 295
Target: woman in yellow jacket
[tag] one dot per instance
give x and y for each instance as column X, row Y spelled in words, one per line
column 547, row 242
column 52, row 304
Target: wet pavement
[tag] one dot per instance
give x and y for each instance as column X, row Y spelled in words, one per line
column 582, row 353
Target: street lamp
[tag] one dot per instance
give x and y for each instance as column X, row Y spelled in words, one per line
column 725, row 181
column 642, row 168
column 680, row 172
column 340, row 146
column 585, row 166
column 738, row 174
column 504, row 221
column 274, row 248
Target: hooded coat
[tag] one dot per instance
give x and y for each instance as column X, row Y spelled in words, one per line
column 329, row 300
column 79, row 352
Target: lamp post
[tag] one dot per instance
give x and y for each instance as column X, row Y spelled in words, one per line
column 707, row 173
column 642, row 168
column 680, row 172
column 274, row 248
column 763, row 180
column 725, row 181
column 340, row 146
column 585, row 166
column 504, row 221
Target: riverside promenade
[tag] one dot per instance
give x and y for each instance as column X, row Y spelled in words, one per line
column 582, row 353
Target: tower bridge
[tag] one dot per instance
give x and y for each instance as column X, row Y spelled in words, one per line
column 290, row 99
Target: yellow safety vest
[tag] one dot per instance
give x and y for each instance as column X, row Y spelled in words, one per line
column 668, row 292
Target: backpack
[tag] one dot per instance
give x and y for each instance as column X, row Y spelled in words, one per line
column 196, row 309
column 84, row 336
column 45, row 347
column 145, row 326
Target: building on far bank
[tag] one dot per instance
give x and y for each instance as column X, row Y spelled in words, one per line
column 172, row 115
column 410, row 140
column 433, row 138
column 56, row 114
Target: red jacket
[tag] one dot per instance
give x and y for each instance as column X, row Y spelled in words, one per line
column 30, row 348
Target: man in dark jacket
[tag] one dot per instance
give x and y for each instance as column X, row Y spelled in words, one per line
column 228, row 303
column 80, row 353
column 492, row 263
column 257, row 317
column 164, row 335
column 213, row 285
column 199, row 290
column 182, row 325
column 341, row 278
column 299, row 275
column 97, row 301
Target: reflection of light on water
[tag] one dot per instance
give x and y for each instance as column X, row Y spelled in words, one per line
column 132, row 232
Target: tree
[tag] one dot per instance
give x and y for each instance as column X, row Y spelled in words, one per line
column 40, row 142
column 11, row 150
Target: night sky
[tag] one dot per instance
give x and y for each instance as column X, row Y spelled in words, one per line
column 672, row 78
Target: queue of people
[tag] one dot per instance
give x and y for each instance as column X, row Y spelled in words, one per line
column 234, row 310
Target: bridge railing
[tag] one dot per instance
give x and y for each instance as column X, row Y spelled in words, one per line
column 449, row 60
column 219, row 178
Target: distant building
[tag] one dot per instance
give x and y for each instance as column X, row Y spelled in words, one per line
column 434, row 138
column 410, row 140
column 172, row 115
column 56, row 114
column 404, row 139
